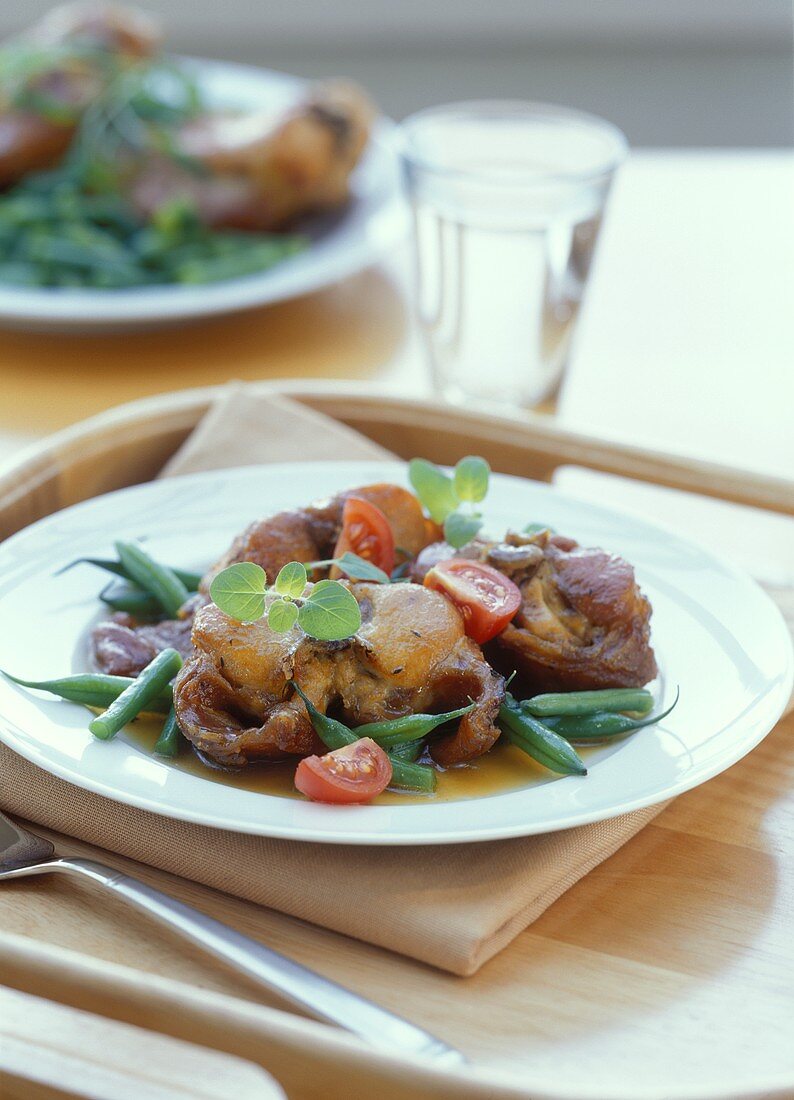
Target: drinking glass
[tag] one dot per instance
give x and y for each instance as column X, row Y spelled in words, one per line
column 507, row 200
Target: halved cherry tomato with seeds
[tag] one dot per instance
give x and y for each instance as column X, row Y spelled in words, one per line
column 366, row 532
column 486, row 598
column 355, row 773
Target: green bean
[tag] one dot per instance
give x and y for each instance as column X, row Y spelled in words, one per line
column 595, row 727
column 171, row 739
column 412, row 777
column 152, row 577
column 94, row 689
column 135, row 698
column 130, row 598
column 410, row 727
column 589, row 702
column 536, row 740
column 335, row 735
column 407, row 750
column 190, row 580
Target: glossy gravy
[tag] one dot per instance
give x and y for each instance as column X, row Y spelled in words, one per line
column 503, row 769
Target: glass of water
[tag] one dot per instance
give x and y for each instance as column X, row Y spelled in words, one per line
column 507, row 200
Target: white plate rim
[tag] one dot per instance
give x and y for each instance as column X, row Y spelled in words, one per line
column 776, row 698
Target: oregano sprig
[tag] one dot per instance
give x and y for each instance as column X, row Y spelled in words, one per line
column 328, row 611
column 452, row 500
column 353, row 566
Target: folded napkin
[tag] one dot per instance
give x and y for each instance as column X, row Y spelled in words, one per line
column 453, row 906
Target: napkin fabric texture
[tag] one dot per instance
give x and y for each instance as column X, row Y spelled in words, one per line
column 453, row 906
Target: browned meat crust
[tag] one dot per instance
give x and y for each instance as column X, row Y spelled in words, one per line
column 264, row 169
column 310, row 534
column 583, row 623
column 235, row 702
column 233, row 728
column 303, row 534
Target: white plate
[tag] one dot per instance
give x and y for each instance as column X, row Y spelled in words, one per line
column 715, row 632
column 343, row 242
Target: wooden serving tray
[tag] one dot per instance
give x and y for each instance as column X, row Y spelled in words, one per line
column 661, row 973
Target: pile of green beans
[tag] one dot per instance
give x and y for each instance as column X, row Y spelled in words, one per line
column 56, row 232
column 335, row 735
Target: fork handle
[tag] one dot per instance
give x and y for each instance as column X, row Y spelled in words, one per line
column 301, row 987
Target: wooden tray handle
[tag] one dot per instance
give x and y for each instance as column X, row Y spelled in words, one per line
column 129, row 444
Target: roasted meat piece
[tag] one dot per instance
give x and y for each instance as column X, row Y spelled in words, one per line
column 583, row 623
column 303, row 534
column 310, row 534
column 263, row 169
column 234, row 699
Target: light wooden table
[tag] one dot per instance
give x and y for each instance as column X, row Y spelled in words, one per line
column 673, row 961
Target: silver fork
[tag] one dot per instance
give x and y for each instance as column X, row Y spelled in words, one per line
column 23, row 853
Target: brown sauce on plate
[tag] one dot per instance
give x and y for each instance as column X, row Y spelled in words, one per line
column 503, row 769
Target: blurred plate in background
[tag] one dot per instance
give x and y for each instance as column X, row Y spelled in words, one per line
column 342, row 242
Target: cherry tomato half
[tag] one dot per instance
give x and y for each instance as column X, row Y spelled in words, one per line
column 366, row 532
column 356, row 773
column 485, row 597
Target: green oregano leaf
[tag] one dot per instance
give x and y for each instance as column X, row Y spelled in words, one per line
column 291, row 581
column 330, row 612
column 471, row 479
column 282, row 616
column 353, row 566
column 434, row 489
column 536, row 528
column 460, row 528
column 360, row 569
column 239, row 591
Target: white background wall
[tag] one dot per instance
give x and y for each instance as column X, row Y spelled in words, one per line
column 670, row 72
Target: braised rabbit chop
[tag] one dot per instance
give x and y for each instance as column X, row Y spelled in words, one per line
column 235, row 702
column 583, row 623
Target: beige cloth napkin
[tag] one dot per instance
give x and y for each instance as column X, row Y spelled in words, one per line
column 453, row 906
